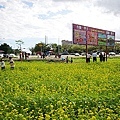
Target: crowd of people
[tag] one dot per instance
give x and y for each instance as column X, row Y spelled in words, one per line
column 67, row 60
column 102, row 57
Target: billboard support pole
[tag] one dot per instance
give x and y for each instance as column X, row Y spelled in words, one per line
column 86, row 51
column 106, row 52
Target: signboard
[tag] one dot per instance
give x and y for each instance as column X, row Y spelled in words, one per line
column 102, row 38
column 92, row 36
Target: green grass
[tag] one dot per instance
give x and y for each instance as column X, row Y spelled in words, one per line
column 48, row 90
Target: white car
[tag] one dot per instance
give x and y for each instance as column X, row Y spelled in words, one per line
column 77, row 54
column 13, row 55
column 1, row 55
column 83, row 54
column 112, row 53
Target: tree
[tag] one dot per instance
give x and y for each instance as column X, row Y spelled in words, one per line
column 39, row 47
column 19, row 42
column 32, row 50
column 77, row 48
column 6, row 48
column 54, row 45
column 117, row 47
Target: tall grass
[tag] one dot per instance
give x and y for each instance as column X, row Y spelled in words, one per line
column 47, row 90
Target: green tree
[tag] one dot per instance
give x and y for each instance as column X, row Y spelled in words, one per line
column 6, row 48
column 42, row 47
column 117, row 47
column 16, row 51
column 54, row 47
column 32, row 50
column 78, row 48
column 39, row 47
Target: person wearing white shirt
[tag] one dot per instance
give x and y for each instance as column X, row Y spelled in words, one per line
column 2, row 64
column 12, row 64
column 88, row 57
column 94, row 55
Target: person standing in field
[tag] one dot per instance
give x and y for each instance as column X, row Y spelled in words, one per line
column 88, row 57
column 12, row 64
column 104, row 57
column 67, row 59
column 43, row 55
column 71, row 60
column 101, row 57
column 94, row 55
column 2, row 64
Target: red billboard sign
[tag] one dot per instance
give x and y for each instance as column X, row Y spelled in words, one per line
column 92, row 36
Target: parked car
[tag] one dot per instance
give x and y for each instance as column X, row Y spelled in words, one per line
column 72, row 53
column 112, row 53
column 77, row 54
column 13, row 55
column 83, row 54
column 1, row 55
column 65, row 53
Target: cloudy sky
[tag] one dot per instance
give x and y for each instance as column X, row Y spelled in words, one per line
column 31, row 20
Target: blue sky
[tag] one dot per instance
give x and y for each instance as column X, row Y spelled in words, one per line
column 31, row 20
column 2, row 6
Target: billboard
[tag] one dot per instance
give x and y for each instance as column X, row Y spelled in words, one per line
column 92, row 36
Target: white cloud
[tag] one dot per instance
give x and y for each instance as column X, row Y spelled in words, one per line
column 109, row 5
column 33, row 19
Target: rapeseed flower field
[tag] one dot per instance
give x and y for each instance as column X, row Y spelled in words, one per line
column 40, row 90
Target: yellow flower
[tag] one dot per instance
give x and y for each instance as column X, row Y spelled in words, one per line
column 65, row 116
column 47, row 117
column 93, row 118
column 108, row 118
column 51, row 106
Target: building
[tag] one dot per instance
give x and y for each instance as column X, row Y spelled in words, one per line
column 66, row 42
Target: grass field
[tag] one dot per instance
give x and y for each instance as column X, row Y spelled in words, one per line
column 40, row 90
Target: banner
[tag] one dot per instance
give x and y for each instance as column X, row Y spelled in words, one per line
column 102, row 39
column 110, row 40
column 92, row 36
column 80, row 36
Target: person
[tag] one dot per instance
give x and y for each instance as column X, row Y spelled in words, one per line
column 38, row 55
column 63, row 59
column 88, row 57
column 55, row 55
column 43, row 55
column 26, row 56
column 20, row 56
column 67, row 59
column 23, row 55
column 104, row 57
column 2, row 64
column 71, row 60
column 94, row 55
column 12, row 64
column 101, row 57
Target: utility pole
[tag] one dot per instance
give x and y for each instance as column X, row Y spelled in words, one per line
column 19, row 42
column 45, row 39
column 58, row 45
